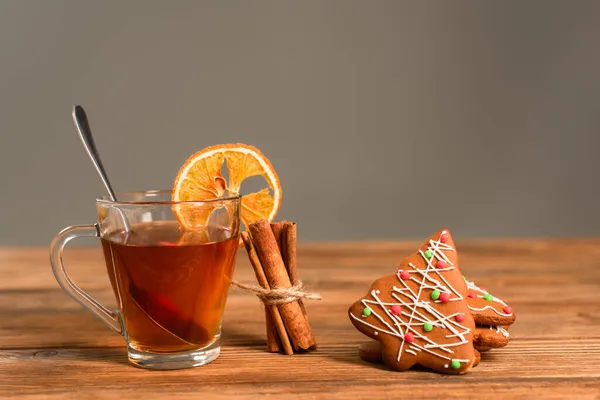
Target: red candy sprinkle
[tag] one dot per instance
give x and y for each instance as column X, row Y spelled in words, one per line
column 460, row 317
column 507, row 310
column 409, row 337
column 471, row 295
column 444, row 237
column 484, row 289
column 404, row 274
column 396, row 310
column 445, row 297
column 441, row 264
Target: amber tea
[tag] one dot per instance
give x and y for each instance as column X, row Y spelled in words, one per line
column 170, row 280
column 171, row 286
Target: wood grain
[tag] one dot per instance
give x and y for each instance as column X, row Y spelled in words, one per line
column 51, row 348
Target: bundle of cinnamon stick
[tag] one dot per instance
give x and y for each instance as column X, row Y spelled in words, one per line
column 272, row 252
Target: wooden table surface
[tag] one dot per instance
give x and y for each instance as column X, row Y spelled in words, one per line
column 51, row 348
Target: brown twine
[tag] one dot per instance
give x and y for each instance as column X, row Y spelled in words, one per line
column 279, row 295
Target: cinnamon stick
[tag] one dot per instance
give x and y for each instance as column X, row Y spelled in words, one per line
column 285, row 236
column 288, row 239
column 268, row 252
column 273, row 342
column 288, row 251
column 277, row 320
column 277, row 228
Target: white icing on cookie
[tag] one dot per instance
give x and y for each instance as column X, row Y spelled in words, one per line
column 473, row 287
column 500, row 330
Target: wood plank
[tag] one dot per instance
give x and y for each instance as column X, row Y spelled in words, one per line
column 524, row 363
column 52, row 348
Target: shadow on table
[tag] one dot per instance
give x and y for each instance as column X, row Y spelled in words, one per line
column 234, row 336
column 347, row 354
column 354, row 360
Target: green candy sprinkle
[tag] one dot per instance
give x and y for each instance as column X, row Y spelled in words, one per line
column 427, row 327
column 428, row 254
column 455, row 364
column 435, row 294
column 366, row 311
column 488, row 297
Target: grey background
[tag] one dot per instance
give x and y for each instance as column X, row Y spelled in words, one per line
column 384, row 119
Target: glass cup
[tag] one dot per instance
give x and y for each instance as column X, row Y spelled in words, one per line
column 170, row 284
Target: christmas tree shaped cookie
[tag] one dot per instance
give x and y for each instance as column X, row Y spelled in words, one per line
column 420, row 314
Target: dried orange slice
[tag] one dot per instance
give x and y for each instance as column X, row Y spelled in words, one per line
column 200, row 179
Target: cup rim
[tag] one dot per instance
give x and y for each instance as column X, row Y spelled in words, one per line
column 105, row 200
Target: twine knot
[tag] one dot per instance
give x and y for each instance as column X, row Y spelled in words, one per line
column 278, row 296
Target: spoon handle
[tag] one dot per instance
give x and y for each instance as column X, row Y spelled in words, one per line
column 85, row 133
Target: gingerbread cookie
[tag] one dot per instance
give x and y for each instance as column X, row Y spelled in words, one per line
column 371, row 352
column 490, row 337
column 420, row 314
column 487, row 309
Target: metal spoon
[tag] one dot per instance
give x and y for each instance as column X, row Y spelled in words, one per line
column 85, row 133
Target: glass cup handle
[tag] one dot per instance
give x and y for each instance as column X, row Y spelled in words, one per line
column 65, row 282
